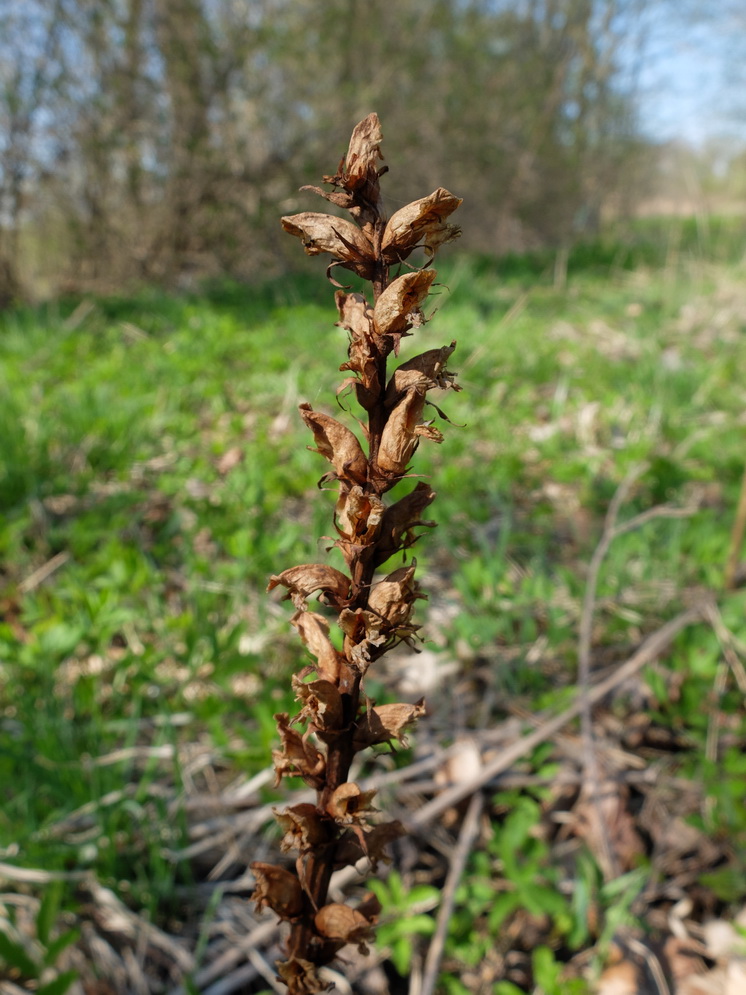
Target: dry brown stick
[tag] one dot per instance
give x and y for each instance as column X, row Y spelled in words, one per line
column 611, row 531
column 728, row 645
column 262, row 935
column 39, row 575
column 652, row 646
column 466, row 838
column 736, row 539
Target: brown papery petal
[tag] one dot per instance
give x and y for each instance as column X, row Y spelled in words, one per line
column 386, row 722
column 364, row 152
column 371, row 843
column 355, row 313
column 339, row 922
column 399, row 519
column 279, row 889
column 424, row 372
column 303, row 580
column 349, row 804
column 322, row 704
column 392, row 597
column 301, row 976
column 359, row 515
column 314, row 631
column 421, row 222
column 398, row 307
column 337, row 443
column 400, row 438
column 303, row 827
column 321, row 233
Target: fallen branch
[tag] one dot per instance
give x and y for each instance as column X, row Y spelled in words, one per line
column 650, row 649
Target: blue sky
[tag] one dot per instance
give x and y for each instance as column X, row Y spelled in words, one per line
column 692, row 81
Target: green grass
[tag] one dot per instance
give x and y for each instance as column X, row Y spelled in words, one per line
column 156, row 630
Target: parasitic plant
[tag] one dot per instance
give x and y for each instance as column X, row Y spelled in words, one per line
column 373, row 607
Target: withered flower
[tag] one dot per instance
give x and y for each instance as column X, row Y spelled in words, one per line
column 343, row 240
column 421, row 223
column 398, row 307
column 383, row 723
column 344, row 925
column 278, row 889
column 335, row 720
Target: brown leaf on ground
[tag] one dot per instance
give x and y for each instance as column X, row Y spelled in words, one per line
column 608, row 829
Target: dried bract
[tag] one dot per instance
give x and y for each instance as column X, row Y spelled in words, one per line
column 421, row 223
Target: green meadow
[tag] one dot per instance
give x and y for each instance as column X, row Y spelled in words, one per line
column 154, row 473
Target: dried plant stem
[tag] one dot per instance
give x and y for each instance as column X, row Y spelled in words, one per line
column 611, row 531
column 467, row 835
column 736, row 539
column 373, row 613
column 648, row 651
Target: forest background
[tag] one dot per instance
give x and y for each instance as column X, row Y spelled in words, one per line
column 148, row 141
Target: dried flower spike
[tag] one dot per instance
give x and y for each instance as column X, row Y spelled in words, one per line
column 335, row 719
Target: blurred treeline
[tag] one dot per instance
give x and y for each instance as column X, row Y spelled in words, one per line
column 159, row 140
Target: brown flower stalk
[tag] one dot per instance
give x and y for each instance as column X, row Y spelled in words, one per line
column 374, row 613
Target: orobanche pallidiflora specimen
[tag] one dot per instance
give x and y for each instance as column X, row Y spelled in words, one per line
column 371, row 603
